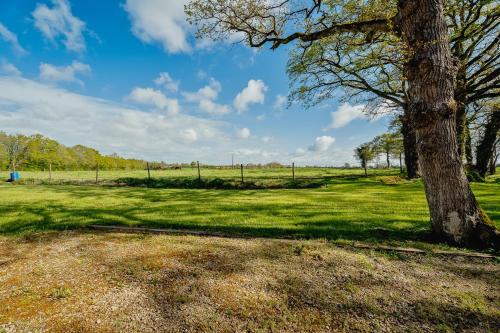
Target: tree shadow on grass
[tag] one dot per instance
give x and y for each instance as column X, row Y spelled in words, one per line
column 347, row 210
column 208, row 211
column 328, row 293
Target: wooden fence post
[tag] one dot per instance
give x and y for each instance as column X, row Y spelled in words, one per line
column 241, row 168
column 293, row 170
column 199, row 173
column 149, row 174
column 97, row 173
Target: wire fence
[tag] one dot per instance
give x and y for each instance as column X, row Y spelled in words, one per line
column 237, row 173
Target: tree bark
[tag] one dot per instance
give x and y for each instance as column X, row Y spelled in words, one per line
column 461, row 103
column 493, row 164
column 484, row 152
column 388, row 159
column 460, row 117
column 468, row 147
column 410, row 147
column 431, row 71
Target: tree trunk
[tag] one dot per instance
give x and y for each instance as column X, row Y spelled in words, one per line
column 461, row 113
column 431, row 72
column 485, row 149
column 468, row 146
column 410, row 147
column 388, row 159
column 493, row 164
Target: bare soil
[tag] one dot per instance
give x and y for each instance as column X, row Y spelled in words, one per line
column 113, row 282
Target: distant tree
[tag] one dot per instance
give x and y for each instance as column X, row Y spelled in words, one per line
column 365, row 153
column 494, row 157
column 389, row 144
column 486, row 150
column 3, row 150
column 17, row 148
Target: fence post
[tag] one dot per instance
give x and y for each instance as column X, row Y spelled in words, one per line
column 97, row 173
column 149, row 174
column 241, row 168
column 199, row 173
column 293, row 170
column 50, row 172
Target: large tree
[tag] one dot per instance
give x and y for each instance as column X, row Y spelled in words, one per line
column 430, row 72
column 371, row 70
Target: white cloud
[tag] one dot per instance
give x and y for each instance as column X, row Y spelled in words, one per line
column 243, row 133
column 206, row 96
column 9, row 69
column 322, row 143
column 190, row 135
column 150, row 96
column 280, row 102
column 68, row 73
column 166, row 81
column 31, row 107
column 347, row 113
column 160, row 21
column 11, row 38
column 247, row 152
column 210, row 91
column 266, row 139
column 254, row 92
column 260, row 117
column 58, row 21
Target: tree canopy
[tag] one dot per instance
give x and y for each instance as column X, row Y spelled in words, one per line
column 37, row 152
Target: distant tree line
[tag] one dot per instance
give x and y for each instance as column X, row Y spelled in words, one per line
column 37, row 152
column 482, row 147
column 390, row 145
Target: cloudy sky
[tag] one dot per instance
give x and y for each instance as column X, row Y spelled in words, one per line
column 128, row 76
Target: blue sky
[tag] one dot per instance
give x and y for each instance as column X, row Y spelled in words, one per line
column 128, row 76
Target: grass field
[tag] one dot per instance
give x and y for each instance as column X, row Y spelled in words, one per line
column 348, row 207
column 56, row 276
column 250, row 173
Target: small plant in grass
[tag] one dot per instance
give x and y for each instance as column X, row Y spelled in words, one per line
column 60, row 292
column 299, row 249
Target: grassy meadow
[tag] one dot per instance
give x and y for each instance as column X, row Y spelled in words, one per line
column 206, row 172
column 347, row 207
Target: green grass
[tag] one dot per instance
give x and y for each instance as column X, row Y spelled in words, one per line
column 249, row 173
column 349, row 208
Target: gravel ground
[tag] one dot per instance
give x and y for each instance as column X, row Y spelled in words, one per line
column 112, row 282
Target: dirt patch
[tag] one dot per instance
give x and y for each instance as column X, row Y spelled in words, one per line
column 81, row 282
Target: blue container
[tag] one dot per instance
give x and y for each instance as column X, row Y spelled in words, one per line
column 14, row 176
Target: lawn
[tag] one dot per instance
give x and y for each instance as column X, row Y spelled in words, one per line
column 347, row 208
column 209, row 172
